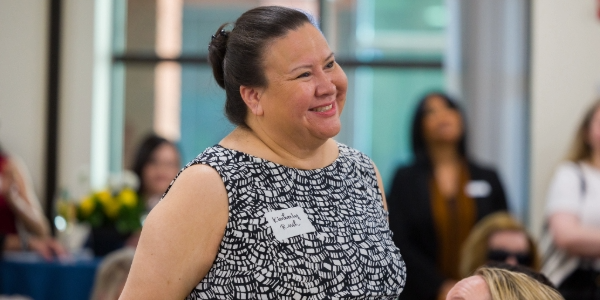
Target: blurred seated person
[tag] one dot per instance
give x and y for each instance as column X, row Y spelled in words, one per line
column 501, row 284
column 156, row 164
column 435, row 201
column 112, row 274
column 20, row 212
column 499, row 238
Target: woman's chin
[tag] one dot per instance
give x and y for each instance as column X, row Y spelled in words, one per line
column 328, row 132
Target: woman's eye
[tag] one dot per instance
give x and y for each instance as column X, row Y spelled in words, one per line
column 305, row 74
column 330, row 65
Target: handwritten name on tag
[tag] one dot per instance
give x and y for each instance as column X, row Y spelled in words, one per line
column 289, row 222
column 478, row 189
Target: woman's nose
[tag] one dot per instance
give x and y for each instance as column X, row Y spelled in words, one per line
column 325, row 85
column 511, row 260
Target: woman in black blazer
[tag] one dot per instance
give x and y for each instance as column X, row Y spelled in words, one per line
column 434, row 202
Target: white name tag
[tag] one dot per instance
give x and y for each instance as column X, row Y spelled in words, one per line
column 289, row 222
column 478, row 189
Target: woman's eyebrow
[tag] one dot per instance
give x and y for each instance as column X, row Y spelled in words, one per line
column 309, row 65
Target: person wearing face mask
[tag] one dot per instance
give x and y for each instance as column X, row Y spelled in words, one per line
column 501, row 284
column 435, row 201
column 498, row 238
column 278, row 209
column 573, row 203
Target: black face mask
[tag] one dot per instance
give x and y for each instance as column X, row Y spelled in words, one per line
column 522, row 258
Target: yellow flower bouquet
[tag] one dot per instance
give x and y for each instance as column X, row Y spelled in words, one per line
column 118, row 207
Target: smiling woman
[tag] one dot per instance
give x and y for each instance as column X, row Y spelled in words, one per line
column 278, row 209
column 301, row 69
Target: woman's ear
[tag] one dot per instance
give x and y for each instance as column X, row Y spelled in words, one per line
column 251, row 96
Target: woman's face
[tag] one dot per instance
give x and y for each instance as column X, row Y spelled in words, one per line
column 470, row 288
column 441, row 123
column 594, row 132
column 160, row 170
column 509, row 246
column 306, row 88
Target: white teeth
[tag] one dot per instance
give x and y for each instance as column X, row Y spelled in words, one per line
column 323, row 108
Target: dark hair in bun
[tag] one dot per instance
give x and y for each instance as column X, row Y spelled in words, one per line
column 236, row 56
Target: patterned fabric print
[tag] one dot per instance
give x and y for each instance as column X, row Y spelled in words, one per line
column 350, row 255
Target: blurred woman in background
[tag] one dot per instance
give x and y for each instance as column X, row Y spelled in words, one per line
column 572, row 209
column 435, row 201
column 498, row 238
column 156, row 164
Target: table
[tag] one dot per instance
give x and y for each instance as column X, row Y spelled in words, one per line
column 28, row 274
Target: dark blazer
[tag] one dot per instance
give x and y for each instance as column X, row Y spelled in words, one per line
column 411, row 221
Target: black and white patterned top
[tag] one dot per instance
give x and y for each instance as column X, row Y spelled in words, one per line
column 342, row 247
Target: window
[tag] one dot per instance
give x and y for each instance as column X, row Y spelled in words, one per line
column 391, row 51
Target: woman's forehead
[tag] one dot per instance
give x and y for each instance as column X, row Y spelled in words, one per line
column 302, row 45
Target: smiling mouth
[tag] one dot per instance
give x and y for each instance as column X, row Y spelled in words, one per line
column 322, row 108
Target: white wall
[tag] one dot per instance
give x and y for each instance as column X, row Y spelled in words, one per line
column 85, row 95
column 565, row 77
column 75, row 93
column 23, row 88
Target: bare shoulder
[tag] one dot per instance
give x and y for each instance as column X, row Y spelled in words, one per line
column 198, row 191
column 197, row 186
column 196, row 178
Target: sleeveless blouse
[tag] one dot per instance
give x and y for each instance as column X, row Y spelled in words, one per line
column 349, row 253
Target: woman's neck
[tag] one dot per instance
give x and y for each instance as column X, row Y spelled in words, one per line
column 444, row 154
column 282, row 151
column 446, row 163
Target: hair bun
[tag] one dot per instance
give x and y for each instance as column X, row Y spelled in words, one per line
column 217, row 48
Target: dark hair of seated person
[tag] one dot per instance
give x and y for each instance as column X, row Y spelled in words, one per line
column 521, row 269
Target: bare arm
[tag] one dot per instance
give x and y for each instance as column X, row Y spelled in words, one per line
column 22, row 199
column 573, row 237
column 180, row 238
